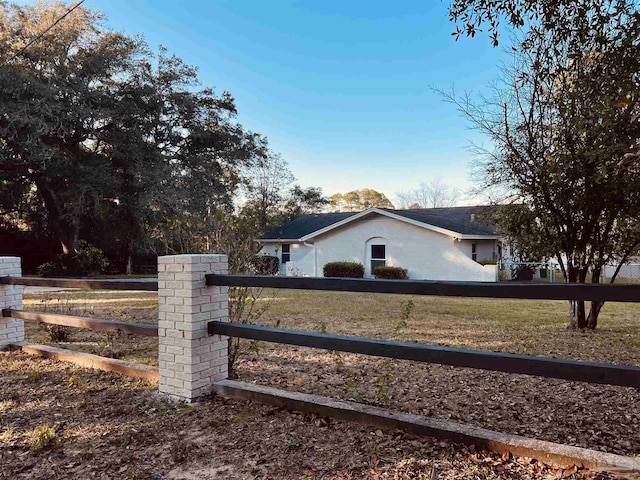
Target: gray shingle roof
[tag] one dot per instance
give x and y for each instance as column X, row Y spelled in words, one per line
column 304, row 225
column 456, row 219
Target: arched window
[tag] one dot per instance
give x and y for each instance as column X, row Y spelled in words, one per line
column 376, row 254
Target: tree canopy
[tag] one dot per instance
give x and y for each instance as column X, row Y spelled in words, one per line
column 357, row 200
column 100, row 134
column 564, row 123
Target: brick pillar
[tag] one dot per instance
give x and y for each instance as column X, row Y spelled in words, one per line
column 11, row 329
column 190, row 360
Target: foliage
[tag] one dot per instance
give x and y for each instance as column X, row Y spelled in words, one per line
column 104, row 139
column 85, row 261
column 564, row 17
column 357, row 200
column 435, row 194
column 343, row 269
column 488, row 262
column 233, row 235
column 264, row 189
column 303, row 201
column 406, row 307
column 392, row 273
column 271, row 200
column 42, row 437
column 565, row 126
column 266, row 265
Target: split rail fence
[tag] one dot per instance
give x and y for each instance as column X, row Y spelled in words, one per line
column 193, row 323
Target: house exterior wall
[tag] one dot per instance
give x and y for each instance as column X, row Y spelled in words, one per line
column 426, row 254
column 486, row 250
column 301, row 255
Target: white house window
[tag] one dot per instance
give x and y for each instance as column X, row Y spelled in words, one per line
column 378, row 256
column 474, row 252
column 286, row 253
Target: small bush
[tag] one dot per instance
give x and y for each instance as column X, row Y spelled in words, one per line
column 266, row 264
column 42, row 437
column 392, row 273
column 524, row 273
column 488, row 262
column 87, row 261
column 343, row 269
column 58, row 333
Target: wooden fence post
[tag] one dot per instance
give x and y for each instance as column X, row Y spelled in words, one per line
column 190, row 360
column 11, row 329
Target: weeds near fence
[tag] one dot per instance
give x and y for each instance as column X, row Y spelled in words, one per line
column 61, row 304
column 244, row 308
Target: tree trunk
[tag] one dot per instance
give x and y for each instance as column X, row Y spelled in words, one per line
column 577, row 313
column 68, row 232
column 594, row 311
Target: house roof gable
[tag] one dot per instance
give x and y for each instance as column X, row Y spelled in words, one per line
column 454, row 221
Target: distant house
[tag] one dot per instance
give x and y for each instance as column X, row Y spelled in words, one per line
column 432, row 243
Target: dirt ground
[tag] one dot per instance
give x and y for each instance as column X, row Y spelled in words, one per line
column 591, row 416
column 62, row 422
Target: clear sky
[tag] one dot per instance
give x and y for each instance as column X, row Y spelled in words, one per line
column 342, row 89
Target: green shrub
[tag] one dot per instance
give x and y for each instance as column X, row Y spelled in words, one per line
column 87, row 261
column 266, row 264
column 488, row 262
column 392, row 273
column 343, row 269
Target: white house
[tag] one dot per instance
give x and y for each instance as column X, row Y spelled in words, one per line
column 433, row 243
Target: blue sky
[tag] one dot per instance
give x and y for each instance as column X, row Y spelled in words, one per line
column 342, row 89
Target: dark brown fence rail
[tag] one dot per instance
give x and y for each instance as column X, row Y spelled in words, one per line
column 602, row 373
column 146, row 329
column 84, row 284
column 563, row 291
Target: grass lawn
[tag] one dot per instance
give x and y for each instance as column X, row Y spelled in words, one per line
column 592, row 416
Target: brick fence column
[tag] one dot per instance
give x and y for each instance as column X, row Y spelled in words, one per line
column 190, row 360
column 11, row 329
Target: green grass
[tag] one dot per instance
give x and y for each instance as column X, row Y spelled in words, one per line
column 518, row 326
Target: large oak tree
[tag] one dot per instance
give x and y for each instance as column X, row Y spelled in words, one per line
column 95, row 128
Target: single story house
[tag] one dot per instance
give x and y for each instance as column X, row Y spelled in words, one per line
column 431, row 243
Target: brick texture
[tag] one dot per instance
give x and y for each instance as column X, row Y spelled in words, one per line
column 11, row 329
column 190, row 360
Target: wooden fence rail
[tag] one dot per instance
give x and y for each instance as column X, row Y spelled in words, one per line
column 590, row 372
column 533, row 291
column 146, row 329
column 84, row 284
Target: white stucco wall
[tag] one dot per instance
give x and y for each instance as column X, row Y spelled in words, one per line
column 301, row 254
column 485, row 249
column 426, row 254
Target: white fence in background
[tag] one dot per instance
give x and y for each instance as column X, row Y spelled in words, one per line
column 629, row 272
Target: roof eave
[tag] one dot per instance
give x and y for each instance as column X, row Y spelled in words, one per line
column 469, row 236
column 278, row 240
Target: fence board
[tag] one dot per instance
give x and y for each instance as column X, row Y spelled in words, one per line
column 146, row 329
column 590, row 372
column 559, row 291
column 84, row 284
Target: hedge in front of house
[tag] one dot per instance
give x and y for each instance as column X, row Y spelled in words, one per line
column 266, row 264
column 343, row 269
column 391, row 273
